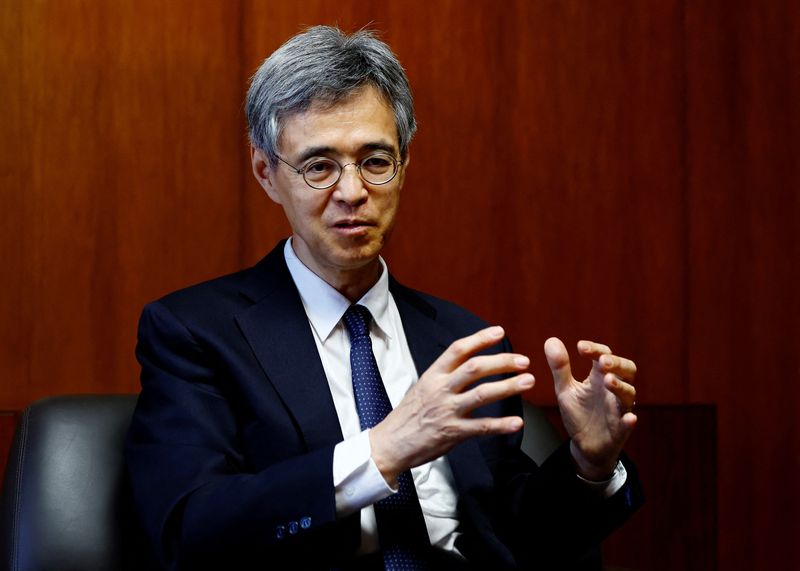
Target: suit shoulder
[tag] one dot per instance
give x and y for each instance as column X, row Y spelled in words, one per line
column 225, row 294
column 207, row 292
column 445, row 312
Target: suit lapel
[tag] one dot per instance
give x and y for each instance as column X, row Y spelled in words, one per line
column 277, row 329
column 427, row 339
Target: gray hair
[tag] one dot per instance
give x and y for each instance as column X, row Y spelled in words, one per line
column 324, row 65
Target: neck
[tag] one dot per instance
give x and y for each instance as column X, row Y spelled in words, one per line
column 354, row 284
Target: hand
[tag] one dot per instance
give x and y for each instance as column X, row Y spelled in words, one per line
column 597, row 411
column 434, row 415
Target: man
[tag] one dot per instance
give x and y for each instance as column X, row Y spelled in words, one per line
column 311, row 412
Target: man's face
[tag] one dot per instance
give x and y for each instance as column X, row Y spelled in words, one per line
column 342, row 229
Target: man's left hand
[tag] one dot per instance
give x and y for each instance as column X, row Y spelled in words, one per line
column 597, row 412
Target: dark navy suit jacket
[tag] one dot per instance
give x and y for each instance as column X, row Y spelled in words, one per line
column 231, row 447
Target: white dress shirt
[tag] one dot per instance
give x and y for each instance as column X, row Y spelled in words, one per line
column 357, row 480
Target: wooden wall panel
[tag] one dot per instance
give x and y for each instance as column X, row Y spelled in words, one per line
column 8, row 424
column 589, row 209
column 121, row 179
column 744, row 187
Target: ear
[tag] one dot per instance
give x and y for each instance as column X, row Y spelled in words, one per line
column 264, row 173
column 402, row 174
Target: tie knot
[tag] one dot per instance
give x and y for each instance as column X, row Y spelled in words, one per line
column 356, row 320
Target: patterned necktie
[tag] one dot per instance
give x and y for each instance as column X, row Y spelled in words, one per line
column 401, row 526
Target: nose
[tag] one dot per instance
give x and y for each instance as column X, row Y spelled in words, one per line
column 350, row 188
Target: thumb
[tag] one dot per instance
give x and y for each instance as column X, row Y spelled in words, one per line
column 558, row 361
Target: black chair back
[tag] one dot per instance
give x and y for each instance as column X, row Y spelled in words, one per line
column 65, row 503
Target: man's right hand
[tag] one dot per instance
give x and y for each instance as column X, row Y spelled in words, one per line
column 434, row 415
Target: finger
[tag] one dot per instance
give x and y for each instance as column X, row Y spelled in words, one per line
column 620, row 366
column 626, row 425
column 462, row 349
column 483, row 366
column 487, row 393
column 470, row 427
column 592, row 350
column 625, row 392
column 628, row 420
column 558, row 361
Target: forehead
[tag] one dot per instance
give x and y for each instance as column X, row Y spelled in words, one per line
column 362, row 120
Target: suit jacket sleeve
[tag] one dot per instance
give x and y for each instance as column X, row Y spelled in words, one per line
column 201, row 502
column 549, row 518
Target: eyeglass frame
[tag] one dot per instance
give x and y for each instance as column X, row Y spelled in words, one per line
column 302, row 172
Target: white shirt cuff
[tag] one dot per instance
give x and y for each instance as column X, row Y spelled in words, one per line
column 611, row 486
column 356, row 479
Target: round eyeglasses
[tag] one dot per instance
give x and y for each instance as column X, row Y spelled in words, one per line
column 321, row 172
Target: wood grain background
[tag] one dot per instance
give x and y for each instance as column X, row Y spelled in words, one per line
column 619, row 170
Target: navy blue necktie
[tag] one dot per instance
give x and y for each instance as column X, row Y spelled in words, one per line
column 401, row 526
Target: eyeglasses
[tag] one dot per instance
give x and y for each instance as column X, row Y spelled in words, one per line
column 322, row 173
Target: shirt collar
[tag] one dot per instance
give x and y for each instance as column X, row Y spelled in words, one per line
column 325, row 306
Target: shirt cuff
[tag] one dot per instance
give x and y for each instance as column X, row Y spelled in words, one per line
column 356, row 479
column 608, row 487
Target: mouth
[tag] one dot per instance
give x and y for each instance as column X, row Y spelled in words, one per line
column 353, row 227
column 353, row 223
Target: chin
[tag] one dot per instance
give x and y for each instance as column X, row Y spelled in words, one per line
column 357, row 257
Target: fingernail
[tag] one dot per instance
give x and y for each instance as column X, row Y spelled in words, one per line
column 516, row 423
column 526, row 382
column 522, row 361
column 496, row 331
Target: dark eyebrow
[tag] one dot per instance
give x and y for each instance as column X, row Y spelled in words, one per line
column 380, row 146
column 314, row 152
column 323, row 151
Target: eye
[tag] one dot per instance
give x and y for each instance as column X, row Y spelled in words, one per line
column 320, row 169
column 378, row 164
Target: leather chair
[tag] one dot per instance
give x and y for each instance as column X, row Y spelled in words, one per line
column 66, row 504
